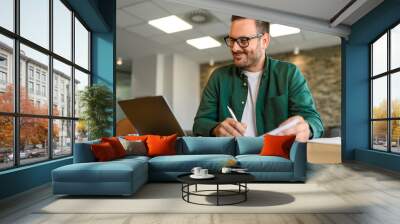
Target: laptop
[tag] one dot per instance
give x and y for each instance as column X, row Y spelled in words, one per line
column 151, row 115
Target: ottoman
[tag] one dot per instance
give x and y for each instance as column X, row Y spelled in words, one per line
column 118, row 177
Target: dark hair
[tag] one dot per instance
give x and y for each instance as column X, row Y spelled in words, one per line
column 261, row 26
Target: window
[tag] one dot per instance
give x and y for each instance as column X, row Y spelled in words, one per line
column 37, row 74
column 6, row 142
column 62, row 137
column 48, row 77
column 3, row 81
column 3, row 72
column 55, row 98
column 33, row 147
column 6, row 71
column 62, row 29
column 3, row 61
column 34, row 21
column 62, row 74
column 38, row 89
column 30, row 72
column 81, row 81
column 395, row 47
column 81, row 45
column 385, row 94
column 7, row 14
column 3, row 78
column 44, row 91
column 30, row 87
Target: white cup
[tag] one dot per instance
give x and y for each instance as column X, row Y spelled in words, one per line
column 203, row 172
column 226, row 170
column 196, row 170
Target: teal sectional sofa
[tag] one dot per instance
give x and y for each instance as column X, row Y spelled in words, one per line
column 125, row 176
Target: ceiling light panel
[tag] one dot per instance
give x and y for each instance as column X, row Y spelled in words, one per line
column 203, row 42
column 277, row 30
column 170, row 24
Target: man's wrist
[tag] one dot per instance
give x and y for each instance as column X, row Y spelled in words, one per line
column 212, row 131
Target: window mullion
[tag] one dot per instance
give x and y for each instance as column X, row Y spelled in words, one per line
column 73, row 82
column 389, row 106
column 16, row 85
column 371, row 89
column 50, row 81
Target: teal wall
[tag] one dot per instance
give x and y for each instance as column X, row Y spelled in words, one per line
column 355, row 86
column 103, row 53
column 24, row 178
column 100, row 17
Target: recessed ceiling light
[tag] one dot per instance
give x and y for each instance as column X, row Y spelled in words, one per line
column 204, row 42
column 170, row 24
column 277, row 30
column 296, row 51
column 119, row 61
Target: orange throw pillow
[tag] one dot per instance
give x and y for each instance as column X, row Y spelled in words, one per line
column 136, row 138
column 161, row 145
column 103, row 152
column 116, row 145
column 275, row 145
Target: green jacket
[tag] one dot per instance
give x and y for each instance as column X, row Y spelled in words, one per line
column 283, row 93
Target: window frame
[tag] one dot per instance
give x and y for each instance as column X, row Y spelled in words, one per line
column 16, row 114
column 388, row 74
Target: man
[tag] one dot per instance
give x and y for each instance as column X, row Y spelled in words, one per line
column 263, row 93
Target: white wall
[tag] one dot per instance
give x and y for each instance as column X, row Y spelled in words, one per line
column 123, row 91
column 168, row 79
column 172, row 76
column 186, row 90
column 155, row 71
column 144, row 76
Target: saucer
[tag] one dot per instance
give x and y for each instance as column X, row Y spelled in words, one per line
column 208, row 176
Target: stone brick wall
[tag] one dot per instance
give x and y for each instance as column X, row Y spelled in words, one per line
column 322, row 70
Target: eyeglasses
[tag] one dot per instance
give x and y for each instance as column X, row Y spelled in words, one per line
column 243, row 42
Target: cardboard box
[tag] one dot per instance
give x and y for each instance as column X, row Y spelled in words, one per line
column 324, row 151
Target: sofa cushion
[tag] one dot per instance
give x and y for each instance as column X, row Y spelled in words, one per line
column 249, row 145
column 257, row 163
column 185, row 163
column 103, row 152
column 83, row 152
column 275, row 145
column 112, row 171
column 161, row 145
column 206, row 145
column 116, row 145
column 142, row 138
column 131, row 158
column 135, row 147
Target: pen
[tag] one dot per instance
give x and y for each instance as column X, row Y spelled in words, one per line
column 232, row 114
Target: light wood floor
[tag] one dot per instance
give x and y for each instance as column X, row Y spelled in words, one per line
column 378, row 188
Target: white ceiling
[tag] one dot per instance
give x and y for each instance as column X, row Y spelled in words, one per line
column 320, row 9
column 136, row 38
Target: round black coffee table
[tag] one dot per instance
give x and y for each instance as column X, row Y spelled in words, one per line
column 238, row 179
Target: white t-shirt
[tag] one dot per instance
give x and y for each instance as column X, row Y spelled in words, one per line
column 249, row 112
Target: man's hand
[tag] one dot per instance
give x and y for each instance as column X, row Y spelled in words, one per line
column 301, row 129
column 229, row 127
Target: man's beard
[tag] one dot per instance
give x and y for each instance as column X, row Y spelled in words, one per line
column 248, row 59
